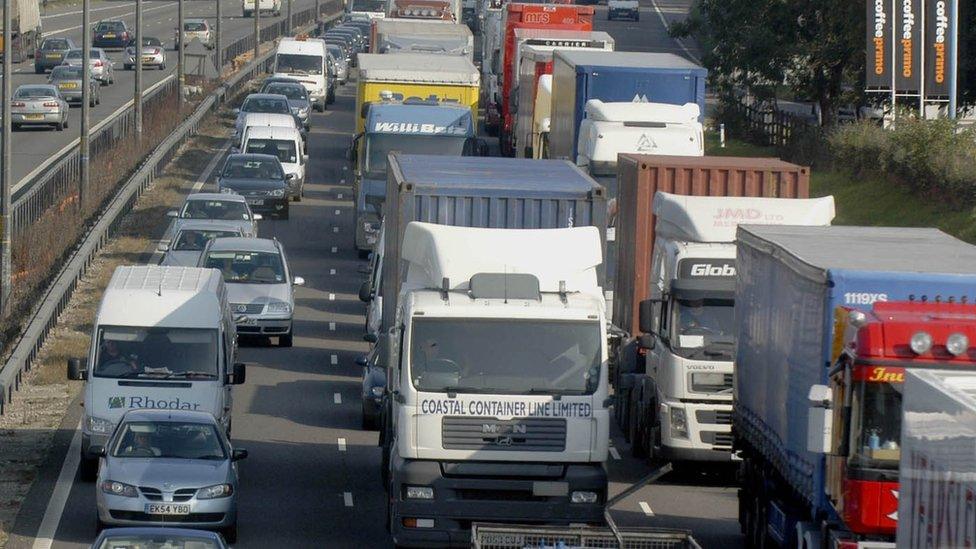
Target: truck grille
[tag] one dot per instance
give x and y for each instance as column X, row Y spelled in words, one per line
column 699, row 385
column 719, row 440
column 492, row 434
column 714, row 417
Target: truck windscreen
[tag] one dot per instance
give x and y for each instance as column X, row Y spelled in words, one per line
column 876, row 425
column 156, row 353
column 368, row 5
column 379, row 145
column 539, row 357
column 703, row 329
column 293, row 63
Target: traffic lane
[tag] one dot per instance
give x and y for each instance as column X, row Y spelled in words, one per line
column 650, row 34
column 299, row 409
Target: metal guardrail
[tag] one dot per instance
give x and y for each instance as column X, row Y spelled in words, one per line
column 58, row 294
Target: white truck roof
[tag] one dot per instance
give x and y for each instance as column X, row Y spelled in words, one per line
column 629, row 111
column 150, row 295
column 434, row 252
column 268, row 119
column 417, row 67
column 420, row 26
column 273, row 132
column 692, row 218
column 303, row 46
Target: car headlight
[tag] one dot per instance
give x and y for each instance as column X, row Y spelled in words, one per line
column 420, row 492
column 117, row 488
column 215, row 491
column 583, row 497
column 279, row 307
column 303, row 112
column 278, row 192
column 100, row 425
column 377, row 391
column 679, row 423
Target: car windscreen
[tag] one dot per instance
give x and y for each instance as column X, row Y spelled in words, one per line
column 35, row 92
column 239, row 168
column 153, row 540
column 542, row 356
column 66, row 73
column 226, row 210
column 290, row 91
column 197, row 26
column 244, row 267
column 151, row 42
column 55, row 44
column 110, row 26
column 285, row 150
column 266, row 105
column 297, row 63
column 378, row 146
column 156, row 353
column 168, row 439
column 76, row 54
column 195, row 239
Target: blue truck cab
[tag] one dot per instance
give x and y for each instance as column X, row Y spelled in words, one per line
column 413, row 126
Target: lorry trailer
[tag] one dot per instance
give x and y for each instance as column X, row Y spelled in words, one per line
column 25, row 29
column 828, row 320
column 420, row 36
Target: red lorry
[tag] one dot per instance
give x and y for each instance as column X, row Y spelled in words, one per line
column 531, row 16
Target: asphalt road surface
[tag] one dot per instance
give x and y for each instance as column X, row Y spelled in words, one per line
column 312, row 478
column 33, row 146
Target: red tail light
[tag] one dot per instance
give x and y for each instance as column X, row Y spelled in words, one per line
column 51, row 104
column 18, row 104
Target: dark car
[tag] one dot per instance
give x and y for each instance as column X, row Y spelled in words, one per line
column 111, row 34
column 374, row 383
column 156, row 537
column 260, row 179
column 51, row 53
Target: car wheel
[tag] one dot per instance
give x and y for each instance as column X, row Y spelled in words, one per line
column 98, row 99
column 59, row 126
column 66, row 121
column 15, row 127
column 285, row 213
column 287, row 340
column 88, row 468
column 363, row 254
column 230, row 533
column 91, row 102
column 162, row 66
column 369, row 422
column 99, row 526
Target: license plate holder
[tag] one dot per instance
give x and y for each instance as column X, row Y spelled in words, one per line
column 33, row 117
column 147, row 59
column 255, row 201
column 167, row 508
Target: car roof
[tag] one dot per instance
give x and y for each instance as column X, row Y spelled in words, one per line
column 35, row 86
column 242, row 244
column 216, row 196
column 266, row 96
column 273, row 132
column 252, row 156
column 156, row 531
column 156, row 414
column 211, row 224
column 195, row 20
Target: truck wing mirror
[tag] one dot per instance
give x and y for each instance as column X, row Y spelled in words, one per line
column 820, row 420
column 96, row 451
column 365, row 292
column 239, row 375
column 77, row 369
column 370, row 338
column 645, row 315
column 362, row 360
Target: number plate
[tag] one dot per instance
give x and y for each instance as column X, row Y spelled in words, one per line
column 167, row 509
column 147, row 59
column 247, row 321
column 255, row 201
column 53, row 56
column 33, row 117
column 68, row 86
column 108, row 35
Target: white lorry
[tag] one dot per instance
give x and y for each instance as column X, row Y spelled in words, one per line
column 937, row 474
column 623, row 8
column 608, row 129
column 689, row 362
column 497, row 383
column 164, row 338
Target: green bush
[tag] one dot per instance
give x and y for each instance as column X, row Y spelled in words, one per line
column 933, row 157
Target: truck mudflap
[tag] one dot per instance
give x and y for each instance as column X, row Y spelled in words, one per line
column 465, row 492
column 498, row 536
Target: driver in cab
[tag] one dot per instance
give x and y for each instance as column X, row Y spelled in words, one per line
column 112, row 358
column 141, row 445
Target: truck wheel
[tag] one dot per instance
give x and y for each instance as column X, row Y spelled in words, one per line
column 634, row 427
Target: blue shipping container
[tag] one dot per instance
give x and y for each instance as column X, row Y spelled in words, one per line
column 581, row 75
column 790, row 281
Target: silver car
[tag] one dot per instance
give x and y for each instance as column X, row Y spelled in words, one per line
column 38, row 105
column 192, row 237
column 195, row 29
column 259, row 285
column 153, row 54
column 342, row 68
column 69, row 82
column 101, row 65
column 231, row 208
column 168, row 468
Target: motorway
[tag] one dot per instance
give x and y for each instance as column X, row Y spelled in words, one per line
column 33, row 146
column 312, row 478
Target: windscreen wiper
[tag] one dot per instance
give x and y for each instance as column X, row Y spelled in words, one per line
column 192, row 373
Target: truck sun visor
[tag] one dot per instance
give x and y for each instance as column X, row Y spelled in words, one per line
column 505, row 286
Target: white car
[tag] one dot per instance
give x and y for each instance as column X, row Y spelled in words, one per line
column 286, row 144
column 623, row 8
column 266, row 6
column 259, row 285
column 188, row 242
column 153, row 54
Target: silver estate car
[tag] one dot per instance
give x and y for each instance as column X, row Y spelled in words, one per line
column 153, row 54
column 259, row 285
column 69, row 81
column 168, row 468
column 192, row 236
column 38, row 105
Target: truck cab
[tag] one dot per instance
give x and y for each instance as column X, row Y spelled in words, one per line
column 306, row 60
column 412, row 126
column 860, row 410
column 479, row 431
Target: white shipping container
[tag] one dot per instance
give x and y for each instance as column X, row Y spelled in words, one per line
column 937, row 499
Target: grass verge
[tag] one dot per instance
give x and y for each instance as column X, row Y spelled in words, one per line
column 868, row 201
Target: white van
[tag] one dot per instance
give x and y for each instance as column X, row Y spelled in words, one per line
column 263, row 119
column 305, row 60
column 272, row 7
column 286, row 144
column 164, row 338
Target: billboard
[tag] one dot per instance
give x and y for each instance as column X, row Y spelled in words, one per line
column 938, row 43
column 908, row 46
column 878, row 45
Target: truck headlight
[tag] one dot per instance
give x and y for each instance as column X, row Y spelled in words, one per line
column 279, row 307
column 708, row 382
column 99, row 425
column 679, row 423
column 278, row 192
column 116, row 488
column 215, row 491
column 583, row 497
column 420, row 492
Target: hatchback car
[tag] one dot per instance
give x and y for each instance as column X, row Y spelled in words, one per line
column 260, row 179
column 374, row 383
column 158, row 538
column 188, row 242
column 168, row 468
column 259, row 285
column 261, row 103
column 196, row 29
column 153, row 54
column 69, row 82
column 101, row 65
column 51, row 53
column 342, row 69
column 298, row 100
column 231, row 208
column 111, row 34
column 38, row 105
